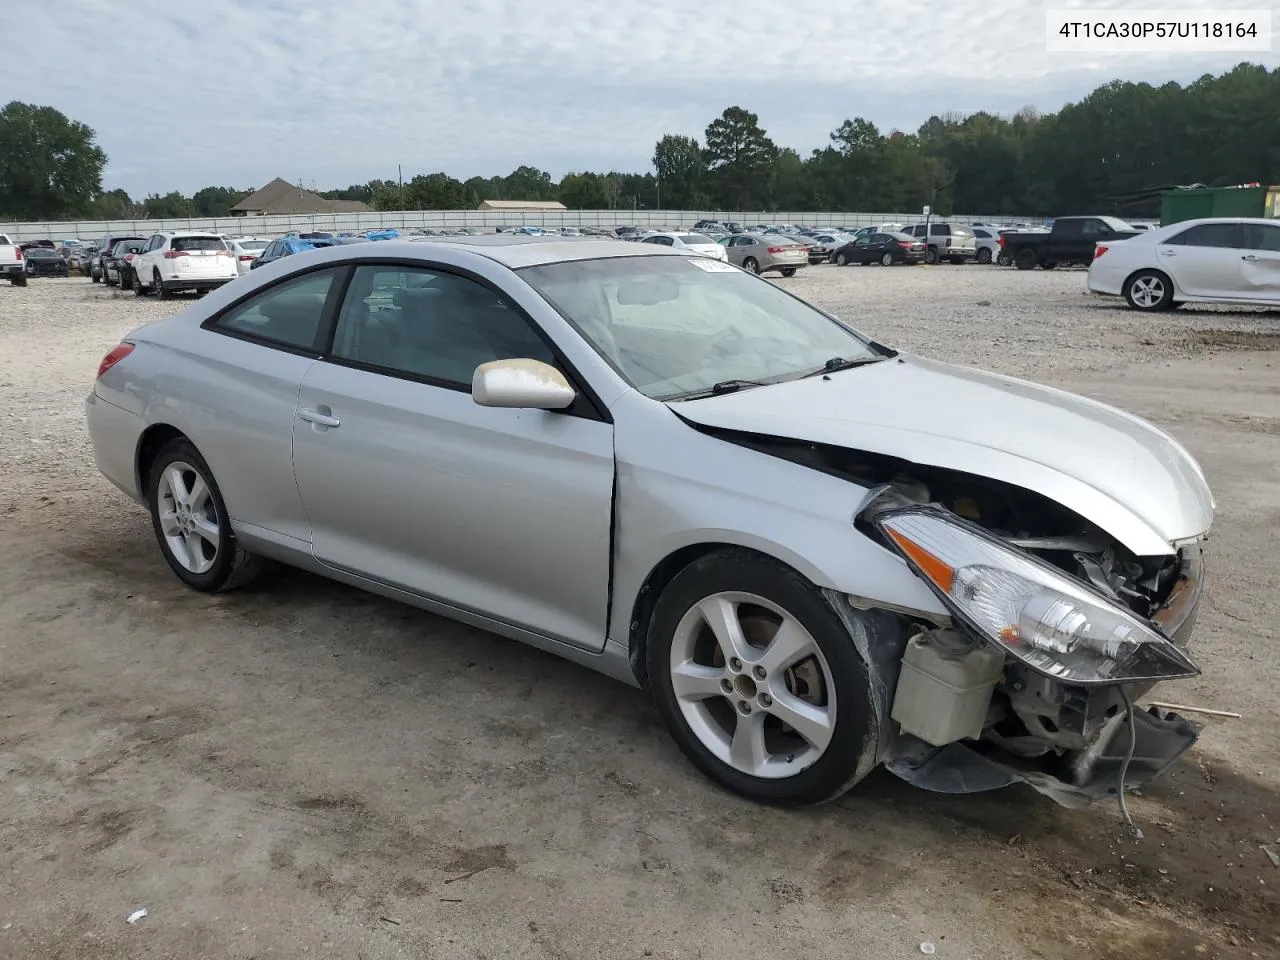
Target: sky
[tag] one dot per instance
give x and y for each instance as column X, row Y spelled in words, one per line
column 190, row 93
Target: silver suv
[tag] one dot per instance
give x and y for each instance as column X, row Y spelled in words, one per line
column 945, row 241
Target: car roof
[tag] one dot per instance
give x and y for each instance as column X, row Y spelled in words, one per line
column 520, row 250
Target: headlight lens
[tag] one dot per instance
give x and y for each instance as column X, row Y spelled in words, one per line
column 1038, row 614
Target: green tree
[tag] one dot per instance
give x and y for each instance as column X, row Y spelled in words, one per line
column 114, row 205
column 217, row 201
column 528, row 183
column 740, row 156
column 588, row 191
column 435, row 191
column 171, row 206
column 682, row 172
column 50, row 167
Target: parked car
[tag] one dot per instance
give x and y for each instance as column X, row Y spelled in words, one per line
column 878, row 228
column 763, row 252
column 43, row 262
column 988, row 243
column 106, row 245
column 287, row 247
column 12, row 262
column 174, row 261
column 693, row 242
column 246, row 250
column 710, row 226
column 832, row 556
column 1069, row 240
column 944, row 241
column 885, row 249
column 824, row 244
column 118, row 267
column 1216, row 260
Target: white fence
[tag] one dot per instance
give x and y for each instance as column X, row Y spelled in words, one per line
column 486, row 220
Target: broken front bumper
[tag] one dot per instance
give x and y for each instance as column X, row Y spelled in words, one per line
column 1078, row 739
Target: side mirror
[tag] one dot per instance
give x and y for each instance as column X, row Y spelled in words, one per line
column 528, row 384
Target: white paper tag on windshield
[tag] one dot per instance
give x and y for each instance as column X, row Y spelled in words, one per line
column 712, row 266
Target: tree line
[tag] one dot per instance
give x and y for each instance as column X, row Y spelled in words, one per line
column 1094, row 155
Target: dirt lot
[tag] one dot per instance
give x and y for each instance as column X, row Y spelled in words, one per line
column 301, row 769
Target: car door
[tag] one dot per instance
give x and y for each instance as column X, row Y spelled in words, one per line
column 1205, row 260
column 505, row 513
column 1260, row 263
column 144, row 263
column 243, row 397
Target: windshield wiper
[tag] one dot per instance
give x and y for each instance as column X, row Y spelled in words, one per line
column 842, row 363
column 721, row 387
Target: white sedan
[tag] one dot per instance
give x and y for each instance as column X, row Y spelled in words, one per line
column 1219, row 260
column 693, row 242
column 246, row 250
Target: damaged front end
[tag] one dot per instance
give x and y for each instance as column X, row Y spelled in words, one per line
column 1055, row 629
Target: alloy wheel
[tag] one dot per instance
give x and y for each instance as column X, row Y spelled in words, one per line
column 188, row 517
column 1147, row 291
column 753, row 685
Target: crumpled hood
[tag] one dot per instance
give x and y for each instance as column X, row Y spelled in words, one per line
column 1116, row 470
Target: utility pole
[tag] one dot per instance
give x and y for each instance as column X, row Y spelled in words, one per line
column 400, row 177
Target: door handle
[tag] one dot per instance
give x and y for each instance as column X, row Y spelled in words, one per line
column 318, row 418
column 1248, row 256
column 1168, row 253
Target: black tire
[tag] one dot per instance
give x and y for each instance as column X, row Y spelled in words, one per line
column 1133, row 292
column 843, row 762
column 161, row 292
column 233, row 566
column 984, row 255
column 886, row 260
column 1025, row 259
column 931, row 255
column 126, row 279
column 1048, row 265
column 842, row 260
column 831, row 258
column 751, row 264
column 138, row 289
column 107, row 280
column 94, row 275
column 19, row 280
column 1002, row 259
column 789, row 271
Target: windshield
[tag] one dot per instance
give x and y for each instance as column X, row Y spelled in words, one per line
column 252, row 244
column 676, row 326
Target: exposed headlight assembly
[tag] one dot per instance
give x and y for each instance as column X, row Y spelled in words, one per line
column 1038, row 614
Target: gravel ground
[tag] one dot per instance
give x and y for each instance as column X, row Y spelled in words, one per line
column 301, row 768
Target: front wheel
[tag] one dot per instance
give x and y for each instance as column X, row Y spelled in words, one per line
column 758, row 681
column 1148, row 291
column 190, row 521
column 1002, row 259
column 886, row 260
column 788, row 271
column 984, row 255
column 126, row 280
column 931, row 255
column 751, row 264
column 161, row 292
column 842, row 260
column 94, row 275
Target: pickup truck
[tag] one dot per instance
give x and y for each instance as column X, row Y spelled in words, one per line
column 12, row 267
column 1071, row 240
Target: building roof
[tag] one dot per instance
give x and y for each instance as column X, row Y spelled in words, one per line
column 282, row 197
column 522, row 205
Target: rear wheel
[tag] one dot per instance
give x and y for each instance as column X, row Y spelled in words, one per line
column 19, row 280
column 984, row 255
column 1025, row 259
column 94, row 275
column 161, row 292
column 190, row 521
column 751, row 264
column 138, row 289
column 1148, row 291
column 759, row 682
column 789, row 271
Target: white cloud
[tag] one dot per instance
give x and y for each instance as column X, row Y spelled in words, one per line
column 240, row 91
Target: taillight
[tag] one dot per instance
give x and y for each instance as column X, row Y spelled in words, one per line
column 128, row 257
column 1000, row 240
column 225, row 253
column 19, row 249
column 117, row 354
column 779, row 249
column 1099, row 251
column 174, row 254
column 246, row 257
column 904, row 246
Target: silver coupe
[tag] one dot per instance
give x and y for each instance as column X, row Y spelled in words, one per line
column 821, row 554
